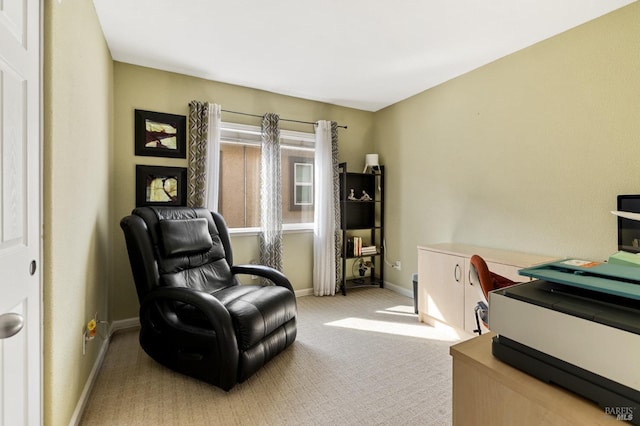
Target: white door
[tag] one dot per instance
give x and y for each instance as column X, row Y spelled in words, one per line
column 20, row 341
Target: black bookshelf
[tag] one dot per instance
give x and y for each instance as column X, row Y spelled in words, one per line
column 362, row 226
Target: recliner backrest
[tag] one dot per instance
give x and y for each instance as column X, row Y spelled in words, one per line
column 190, row 246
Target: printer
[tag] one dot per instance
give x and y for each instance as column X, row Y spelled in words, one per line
column 577, row 325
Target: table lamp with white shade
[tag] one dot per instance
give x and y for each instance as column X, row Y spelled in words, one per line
column 371, row 163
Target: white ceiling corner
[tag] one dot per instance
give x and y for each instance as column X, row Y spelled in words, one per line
column 354, row 53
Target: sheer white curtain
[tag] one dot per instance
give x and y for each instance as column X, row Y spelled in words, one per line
column 326, row 212
column 213, row 157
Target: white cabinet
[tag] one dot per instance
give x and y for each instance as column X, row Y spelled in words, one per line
column 446, row 292
column 442, row 288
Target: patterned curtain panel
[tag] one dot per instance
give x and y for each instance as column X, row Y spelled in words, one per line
column 336, row 201
column 270, row 194
column 197, row 168
column 326, row 236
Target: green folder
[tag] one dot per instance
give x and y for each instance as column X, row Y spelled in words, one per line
column 612, row 278
column 625, row 258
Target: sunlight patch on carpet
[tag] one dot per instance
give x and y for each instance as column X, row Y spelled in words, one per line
column 422, row 331
column 400, row 310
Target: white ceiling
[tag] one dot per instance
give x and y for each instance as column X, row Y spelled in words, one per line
column 362, row 54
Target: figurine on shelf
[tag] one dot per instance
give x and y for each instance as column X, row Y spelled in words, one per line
column 365, row 196
column 352, row 195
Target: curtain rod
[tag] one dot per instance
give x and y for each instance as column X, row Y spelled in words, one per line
column 282, row 119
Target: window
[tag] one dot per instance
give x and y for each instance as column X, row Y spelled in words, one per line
column 239, row 195
column 302, row 182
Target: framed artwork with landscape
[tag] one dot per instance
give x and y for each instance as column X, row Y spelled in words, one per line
column 161, row 186
column 158, row 134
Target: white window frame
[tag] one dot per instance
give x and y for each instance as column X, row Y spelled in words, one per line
column 297, row 183
column 246, row 134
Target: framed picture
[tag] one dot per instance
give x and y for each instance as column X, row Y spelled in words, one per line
column 161, row 186
column 160, row 135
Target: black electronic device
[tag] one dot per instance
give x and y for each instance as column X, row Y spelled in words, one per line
column 628, row 229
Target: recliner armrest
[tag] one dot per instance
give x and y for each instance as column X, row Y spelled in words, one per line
column 211, row 309
column 277, row 277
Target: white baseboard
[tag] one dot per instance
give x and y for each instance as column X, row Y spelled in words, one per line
column 304, row 292
column 84, row 396
column 116, row 326
column 124, row 324
column 397, row 289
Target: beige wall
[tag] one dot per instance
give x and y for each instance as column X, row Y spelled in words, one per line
column 527, row 153
column 78, row 87
column 154, row 90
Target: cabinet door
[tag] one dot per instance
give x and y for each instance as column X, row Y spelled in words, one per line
column 441, row 278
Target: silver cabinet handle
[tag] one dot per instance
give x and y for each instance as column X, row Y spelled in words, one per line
column 10, row 324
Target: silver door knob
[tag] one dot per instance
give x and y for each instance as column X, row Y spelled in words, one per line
column 10, row 324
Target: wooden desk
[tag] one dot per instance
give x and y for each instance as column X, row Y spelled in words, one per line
column 487, row 391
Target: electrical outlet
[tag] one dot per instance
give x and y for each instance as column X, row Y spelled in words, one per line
column 90, row 331
column 397, row 265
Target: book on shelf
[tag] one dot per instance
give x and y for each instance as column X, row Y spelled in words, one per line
column 357, row 246
column 356, row 249
column 354, row 245
column 368, row 250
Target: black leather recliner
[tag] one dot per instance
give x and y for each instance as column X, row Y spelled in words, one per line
column 195, row 316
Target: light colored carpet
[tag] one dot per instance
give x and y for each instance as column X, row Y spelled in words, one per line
column 360, row 359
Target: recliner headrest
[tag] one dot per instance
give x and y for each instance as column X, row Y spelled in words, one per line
column 184, row 236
